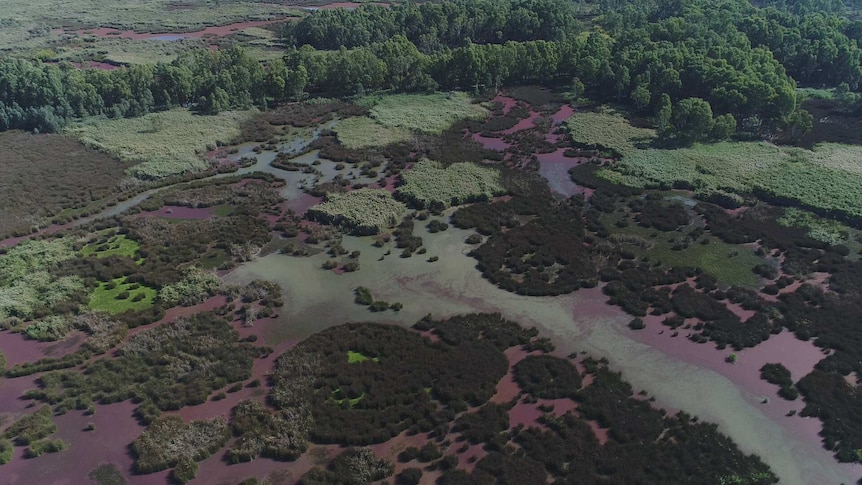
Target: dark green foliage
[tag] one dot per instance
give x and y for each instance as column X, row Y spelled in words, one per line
column 355, row 466
column 487, row 425
column 437, row 226
column 837, row 404
column 362, row 404
column 547, row 377
column 107, row 475
column 637, row 324
column 409, row 476
column 147, row 369
column 363, row 296
column 779, row 375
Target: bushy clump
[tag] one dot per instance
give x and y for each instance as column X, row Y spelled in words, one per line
column 53, row 327
column 6, row 451
column 32, row 427
column 429, row 183
column 36, row 290
column 355, row 466
column 40, row 447
column 168, row 441
column 361, row 212
column 196, row 286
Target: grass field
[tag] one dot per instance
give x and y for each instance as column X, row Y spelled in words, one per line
column 27, row 25
column 364, row 211
column 354, row 357
column 607, row 131
column 424, row 113
column 362, row 132
column 827, row 177
column 459, row 183
column 162, row 144
column 124, row 51
column 105, row 298
column 41, row 175
column 117, row 245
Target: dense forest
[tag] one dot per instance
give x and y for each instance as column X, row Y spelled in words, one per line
column 681, row 61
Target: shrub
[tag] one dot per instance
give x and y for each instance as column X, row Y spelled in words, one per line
column 429, row 183
column 361, row 212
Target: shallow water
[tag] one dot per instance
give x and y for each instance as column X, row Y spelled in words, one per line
column 316, row 299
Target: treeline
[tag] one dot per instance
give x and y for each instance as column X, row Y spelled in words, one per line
column 734, row 57
column 36, row 96
column 432, row 26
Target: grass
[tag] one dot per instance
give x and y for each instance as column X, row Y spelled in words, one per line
column 607, row 131
column 104, row 298
column 424, row 113
column 27, row 24
column 354, row 357
column 363, row 211
column 363, row 132
column 826, row 178
column 428, row 182
column 731, row 265
column 162, row 144
column 118, row 245
column 43, row 175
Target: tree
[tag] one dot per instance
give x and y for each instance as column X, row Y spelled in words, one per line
column 724, row 127
column 663, row 114
column 692, row 120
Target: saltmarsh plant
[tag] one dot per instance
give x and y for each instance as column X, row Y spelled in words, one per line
column 196, row 286
column 166, row 143
column 429, row 183
column 826, row 178
column 607, row 131
column 424, row 113
column 169, row 440
column 825, row 230
column 362, row 212
column 362, row 132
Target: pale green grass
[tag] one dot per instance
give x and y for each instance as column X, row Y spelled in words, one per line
column 104, row 299
column 354, row 357
column 118, row 245
column 366, row 211
column 825, row 230
column 27, row 24
column 828, row 177
column 456, row 184
column 424, row 113
column 362, row 132
column 607, row 130
column 125, row 51
column 167, row 143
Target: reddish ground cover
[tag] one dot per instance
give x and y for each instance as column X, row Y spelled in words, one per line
column 217, row 31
